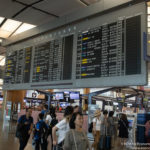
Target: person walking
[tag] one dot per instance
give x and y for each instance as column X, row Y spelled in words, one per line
column 62, row 127
column 76, row 138
column 96, row 129
column 24, row 128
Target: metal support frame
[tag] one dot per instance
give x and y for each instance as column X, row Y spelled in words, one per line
column 99, row 92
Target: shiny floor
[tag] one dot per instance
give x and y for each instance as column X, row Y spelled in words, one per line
column 8, row 141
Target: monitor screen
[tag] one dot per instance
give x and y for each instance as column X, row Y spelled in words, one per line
column 130, row 123
column 74, row 95
column 64, row 104
column 59, row 95
column 66, row 92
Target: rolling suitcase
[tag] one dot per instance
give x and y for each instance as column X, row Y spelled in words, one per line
column 102, row 142
column 105, row 141
column 108, row 142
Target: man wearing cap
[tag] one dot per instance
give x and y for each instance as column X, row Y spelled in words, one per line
column 96, row 128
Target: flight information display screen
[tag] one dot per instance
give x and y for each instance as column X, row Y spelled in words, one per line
column 104, row 51
column 53, row 60
column 109, row 50
column 18, row 66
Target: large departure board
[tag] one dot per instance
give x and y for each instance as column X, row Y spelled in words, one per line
column 10, row 68
column 102, row 51
column 19, row 66
column 41, row 62
column 27, row 61
column 53, row 60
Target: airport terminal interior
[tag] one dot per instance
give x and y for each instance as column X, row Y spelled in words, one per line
column 74, row 74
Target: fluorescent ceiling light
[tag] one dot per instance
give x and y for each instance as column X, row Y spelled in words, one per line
column 10, row 25
column 148, row 10
column 148, row 24
column 148, row 18
column 1, row 81
column 4, row 34
column 24, row 27
column 1, row 19
column 148, row 30
column 2, row 62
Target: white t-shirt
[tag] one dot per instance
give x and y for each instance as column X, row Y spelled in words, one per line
column 63, row 128
column 49, row 119
column 98, row 123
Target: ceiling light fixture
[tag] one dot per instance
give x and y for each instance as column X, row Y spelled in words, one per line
column 4, row 34
column 148, row 10
column 10, row 25
column 1, row 19
column 24, row 27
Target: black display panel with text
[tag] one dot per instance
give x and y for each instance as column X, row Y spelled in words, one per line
column 101, row 51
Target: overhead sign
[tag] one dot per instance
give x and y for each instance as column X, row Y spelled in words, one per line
column 105, row 50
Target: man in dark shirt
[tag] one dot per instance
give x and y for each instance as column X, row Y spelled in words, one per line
column 45, row 110
column 26, row 124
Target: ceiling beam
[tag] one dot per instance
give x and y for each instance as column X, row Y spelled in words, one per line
column 31, row 6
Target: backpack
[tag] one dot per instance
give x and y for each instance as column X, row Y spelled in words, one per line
column 43, row 131
column 90, row 127
column 20, row 129
column 52, row 124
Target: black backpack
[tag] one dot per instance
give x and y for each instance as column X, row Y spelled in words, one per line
column 43, row 131
column 90, row 127
column 52, row 124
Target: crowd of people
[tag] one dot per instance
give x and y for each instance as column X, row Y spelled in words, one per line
column 68, row 134
column 105, row 130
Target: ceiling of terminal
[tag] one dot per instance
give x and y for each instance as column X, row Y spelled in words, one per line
column 34, row 12
column 15, row 15
column 38, row 12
